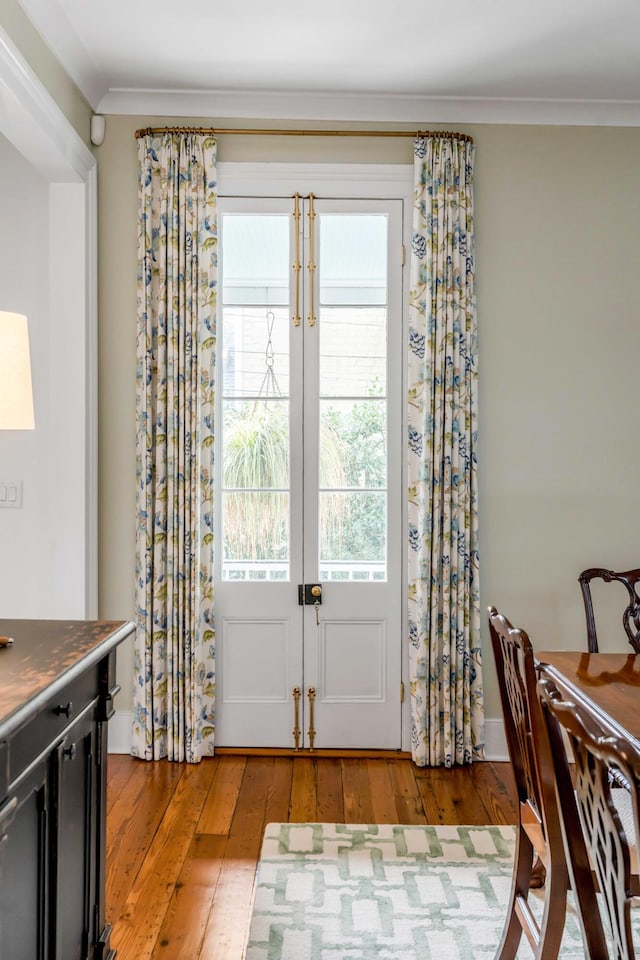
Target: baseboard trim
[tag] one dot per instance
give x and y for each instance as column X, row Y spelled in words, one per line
column 120, row 742
column 495, row 742
column 119, row 739
column 316, row 752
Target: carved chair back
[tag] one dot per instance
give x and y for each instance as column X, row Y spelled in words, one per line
column 515, row 665
column 538, row 827
column 631, row 614
column 596, row 836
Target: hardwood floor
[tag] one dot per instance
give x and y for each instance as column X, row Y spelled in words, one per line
column 183, row 841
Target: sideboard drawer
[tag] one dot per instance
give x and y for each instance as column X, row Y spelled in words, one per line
column 48, row 726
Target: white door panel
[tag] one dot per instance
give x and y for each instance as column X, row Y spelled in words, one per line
column 257, row 665
column 309, row 382
column 351, row 660
column 265, row 645
column 352, row 686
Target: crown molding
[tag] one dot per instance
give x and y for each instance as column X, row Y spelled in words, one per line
column 369, row 108
column 51, row 22
column 32, row 120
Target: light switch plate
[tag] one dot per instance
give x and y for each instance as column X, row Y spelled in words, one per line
column 11, row 494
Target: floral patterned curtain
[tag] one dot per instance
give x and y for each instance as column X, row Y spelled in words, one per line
column 444, row 601
column 177, row 264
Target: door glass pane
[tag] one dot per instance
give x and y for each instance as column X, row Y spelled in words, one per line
column 353, row 314
column 256, row 535
column 255, row 354
column 353, row 536
column 255, row 390
column 256, row 445
column 254, row 269
column 353, row 435
column 353, row 266
column 353, row 346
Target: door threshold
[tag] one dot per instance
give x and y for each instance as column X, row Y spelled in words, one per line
column 316, row 752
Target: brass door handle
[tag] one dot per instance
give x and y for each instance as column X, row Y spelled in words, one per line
column 311, row 265
column 296, row 717
column 311, row 693
column 297, row 266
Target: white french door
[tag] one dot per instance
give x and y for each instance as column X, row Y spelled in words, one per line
column 309, row 503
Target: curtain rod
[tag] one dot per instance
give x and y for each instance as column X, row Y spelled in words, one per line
column 259, row 131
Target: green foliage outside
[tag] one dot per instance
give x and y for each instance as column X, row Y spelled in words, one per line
column 353, row 455
column 361, row 429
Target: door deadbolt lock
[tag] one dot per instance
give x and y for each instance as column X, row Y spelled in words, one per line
column 309, row 593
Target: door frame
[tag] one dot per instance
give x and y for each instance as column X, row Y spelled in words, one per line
column 342, row 180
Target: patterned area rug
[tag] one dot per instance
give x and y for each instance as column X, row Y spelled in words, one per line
column 367, row 892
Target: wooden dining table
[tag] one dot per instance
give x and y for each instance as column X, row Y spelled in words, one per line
column 610, row 682
column 609, row 685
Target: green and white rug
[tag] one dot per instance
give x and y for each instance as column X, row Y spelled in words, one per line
column 367, row 892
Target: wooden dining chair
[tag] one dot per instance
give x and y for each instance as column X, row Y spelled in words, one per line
column 631, row 614
column 538, row 828
column 595, row 832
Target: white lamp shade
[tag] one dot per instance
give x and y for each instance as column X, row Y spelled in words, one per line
column 16, row 394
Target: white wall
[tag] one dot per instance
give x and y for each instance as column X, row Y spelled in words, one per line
column 47, row 271
column 24, row 288
column 43, row 566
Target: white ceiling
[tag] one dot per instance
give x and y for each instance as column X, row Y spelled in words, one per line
column 423, row 61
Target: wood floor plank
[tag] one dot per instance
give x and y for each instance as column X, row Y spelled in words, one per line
column 136, row 931
column 356, row 789
column 227, row 924
column 279, row 794
column 185, row 921
column 132, row 823
column 381, row 788
column 303, row 807
column 119, row 772
column 434, row 785
column 220, row 804
column 264, row 798
column 451, row 795
column 407, row 796
column 248, row 817
column 496, row 787
column 329, row 791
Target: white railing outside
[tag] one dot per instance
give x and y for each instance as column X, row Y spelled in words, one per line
column 259, row 571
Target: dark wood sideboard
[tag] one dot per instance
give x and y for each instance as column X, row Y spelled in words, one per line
column 57, row 683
